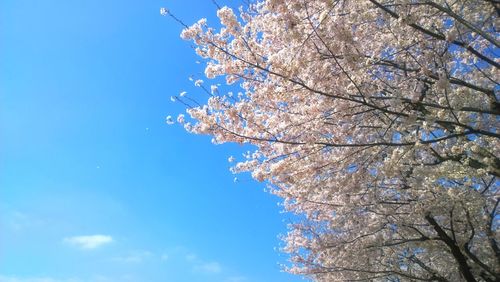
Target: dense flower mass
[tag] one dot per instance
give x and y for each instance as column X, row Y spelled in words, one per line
column 376, row 120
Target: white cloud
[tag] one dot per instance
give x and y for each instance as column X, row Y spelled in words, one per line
column 134, row 257
column 201, row 265
column 95, row 278
column 191, row 257
column 88, row 242
column 32, row 279
column 236, row 279
column 164, row 257
column 210, row 267
column 17, row 220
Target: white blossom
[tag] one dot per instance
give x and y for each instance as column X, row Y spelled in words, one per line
column 198, row 82
column 375, row 121
column 163, row 11
column 180, row 118
column 169, row 120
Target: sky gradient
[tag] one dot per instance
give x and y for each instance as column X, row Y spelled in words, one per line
column 94, row 185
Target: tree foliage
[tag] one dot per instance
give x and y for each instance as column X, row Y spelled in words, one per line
column 377, row 121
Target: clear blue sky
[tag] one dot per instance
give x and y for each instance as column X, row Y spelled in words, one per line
column 94, row 186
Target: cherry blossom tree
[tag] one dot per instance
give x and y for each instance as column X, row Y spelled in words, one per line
column 376, row 122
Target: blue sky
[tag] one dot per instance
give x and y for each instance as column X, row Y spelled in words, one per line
column 94, row 186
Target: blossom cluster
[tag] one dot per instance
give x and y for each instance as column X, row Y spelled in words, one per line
column 377, row 122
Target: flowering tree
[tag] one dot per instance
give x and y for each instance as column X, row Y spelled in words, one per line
column 377, row 121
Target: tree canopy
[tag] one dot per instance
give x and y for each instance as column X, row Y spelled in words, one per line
column 376, row 121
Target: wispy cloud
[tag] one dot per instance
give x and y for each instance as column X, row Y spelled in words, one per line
column 210, row 267
column 33, row 279
column 16, row 220
column 236, row 279
column 191, row 257
column 164, row 257
column 88, row 242
column 95, row 278
column 134, row 257
column 30, row 279
column 200, row 265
